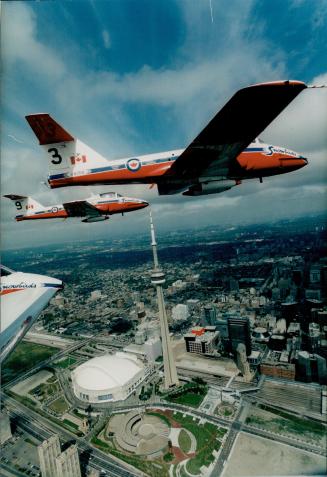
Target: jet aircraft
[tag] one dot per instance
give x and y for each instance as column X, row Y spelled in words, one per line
column 23, row 297
column 219, row 158
column 96, row 208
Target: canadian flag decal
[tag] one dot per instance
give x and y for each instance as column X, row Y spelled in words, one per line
column 77, row 159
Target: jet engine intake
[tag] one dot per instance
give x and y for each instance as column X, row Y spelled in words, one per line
column 212, row 187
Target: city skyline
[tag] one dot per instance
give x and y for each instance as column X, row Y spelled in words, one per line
column 123, row 103
column 247, row 324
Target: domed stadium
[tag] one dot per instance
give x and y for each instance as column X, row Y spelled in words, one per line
column 108, row 378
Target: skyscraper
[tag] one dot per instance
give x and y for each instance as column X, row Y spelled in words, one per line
column 158, row 279
column 209, row 315
column 68, row 463
column 239, row 332
column 48, row 451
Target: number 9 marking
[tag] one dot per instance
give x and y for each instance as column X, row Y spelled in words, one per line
column 18, row 205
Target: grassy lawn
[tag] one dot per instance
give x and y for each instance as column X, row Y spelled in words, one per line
column 71, row 424
column 136, row 461
column 184, row 441
column 206, row 436
column 189, row 399
column 45, row 390
column 65, row 363
column 282, row 422
column 25, row 356
column 59, row 405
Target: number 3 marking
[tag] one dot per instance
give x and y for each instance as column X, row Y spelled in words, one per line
column 55, row 155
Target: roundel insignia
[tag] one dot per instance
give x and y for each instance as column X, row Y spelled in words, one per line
column 54, row 209
column 133, row 165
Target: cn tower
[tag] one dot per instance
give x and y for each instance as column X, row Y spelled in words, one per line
column 158, row 279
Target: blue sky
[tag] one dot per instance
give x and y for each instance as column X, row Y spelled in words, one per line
column 133, row 77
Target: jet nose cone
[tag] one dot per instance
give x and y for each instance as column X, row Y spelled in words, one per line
column 144, row 203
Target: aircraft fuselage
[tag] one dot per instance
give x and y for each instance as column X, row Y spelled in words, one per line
column 256, row 161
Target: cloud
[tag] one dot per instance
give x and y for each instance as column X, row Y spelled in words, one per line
column 106, row 39
column 303, row 124
column 20, row 44
column 120, row 113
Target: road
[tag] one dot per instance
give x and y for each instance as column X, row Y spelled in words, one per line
column 45, row 363
column 42, row 428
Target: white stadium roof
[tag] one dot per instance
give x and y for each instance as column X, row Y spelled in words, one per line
column 108, row 371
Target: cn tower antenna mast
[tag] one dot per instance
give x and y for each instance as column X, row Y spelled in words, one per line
column 158, row 279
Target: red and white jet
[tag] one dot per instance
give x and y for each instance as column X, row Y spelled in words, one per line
column 23, row 297
column 220, row 157
column 96, row 208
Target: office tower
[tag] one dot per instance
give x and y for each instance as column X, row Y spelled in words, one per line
column 5, row 430
column 158, row 279
column 239, row 332
column 209, row 315
column 48, row 451
column 68, row 463
column 242, row 362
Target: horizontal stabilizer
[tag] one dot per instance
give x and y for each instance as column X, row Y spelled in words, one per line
column 15, row 197
column 47, row 130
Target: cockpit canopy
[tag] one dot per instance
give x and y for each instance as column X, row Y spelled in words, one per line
column 110, row 195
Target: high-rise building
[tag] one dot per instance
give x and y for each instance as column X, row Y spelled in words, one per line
column 158, row 279
column 311, row 368
column 48, row 452
column 68, row 463
column 242, row 362
column 5, row 429
column 239, row 332
column 210, row 315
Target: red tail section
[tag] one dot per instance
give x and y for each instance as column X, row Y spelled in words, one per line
column 47, row 130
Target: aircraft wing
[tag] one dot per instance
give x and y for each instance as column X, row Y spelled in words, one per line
column 214, row 151
column 23, row 297
column 81, row 208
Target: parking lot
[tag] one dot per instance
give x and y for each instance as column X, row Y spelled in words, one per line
column 20, row 453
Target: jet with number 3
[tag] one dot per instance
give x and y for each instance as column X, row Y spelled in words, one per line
column 224, row 153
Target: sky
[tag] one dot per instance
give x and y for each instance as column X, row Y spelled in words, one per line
column 140, row 76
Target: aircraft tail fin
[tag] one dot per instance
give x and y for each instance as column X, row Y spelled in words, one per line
column 24, row 205
column 67, row 155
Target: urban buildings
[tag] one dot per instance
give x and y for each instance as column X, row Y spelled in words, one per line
column 48, row 452
column 68, row 463
column 54, row 463
column 276, row 364
column 239, row 332
column 202, row 341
